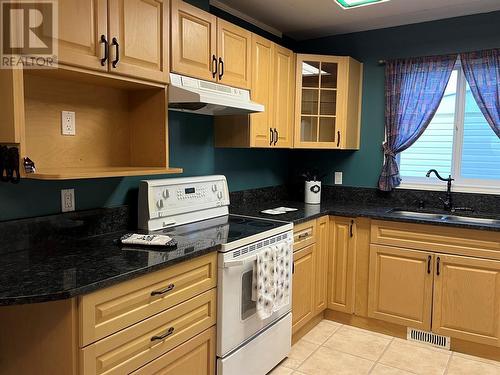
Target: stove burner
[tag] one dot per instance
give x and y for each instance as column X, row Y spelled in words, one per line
column 237, row 220
column 234, row 234
column 260, row 224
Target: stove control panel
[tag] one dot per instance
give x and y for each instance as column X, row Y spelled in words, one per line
column 176, row 201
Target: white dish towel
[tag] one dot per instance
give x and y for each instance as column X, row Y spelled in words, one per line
column 271, row 279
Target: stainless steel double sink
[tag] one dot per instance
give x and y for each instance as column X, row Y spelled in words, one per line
column 443, row 217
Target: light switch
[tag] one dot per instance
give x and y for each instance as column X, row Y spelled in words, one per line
column 338, row 178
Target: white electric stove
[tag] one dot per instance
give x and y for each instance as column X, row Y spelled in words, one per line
column 246, row 345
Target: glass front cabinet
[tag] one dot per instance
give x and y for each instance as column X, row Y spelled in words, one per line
column 328, row 102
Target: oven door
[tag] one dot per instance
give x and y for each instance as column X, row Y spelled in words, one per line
column 237, row 319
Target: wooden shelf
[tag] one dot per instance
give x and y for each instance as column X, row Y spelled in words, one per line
column 98, row 172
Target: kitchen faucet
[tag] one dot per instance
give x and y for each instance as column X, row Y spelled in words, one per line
column 448, row 202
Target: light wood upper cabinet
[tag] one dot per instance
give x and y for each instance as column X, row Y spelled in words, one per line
column 321, row 270
column 234, row 49
column 194, row 41
column 303, row 287
column 138, row 31
column 206, row 47
column 284, row 94
column 262, row 92
column 341, row 264
column 328, row 102
column 273, row 85
column 83, row 31
column 400, row 288
column 467, row 299
column 126, row 37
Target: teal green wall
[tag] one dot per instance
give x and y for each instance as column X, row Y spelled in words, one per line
column 361, row 168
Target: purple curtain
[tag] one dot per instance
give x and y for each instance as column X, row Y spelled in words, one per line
column 482, row 71
column 413, row 90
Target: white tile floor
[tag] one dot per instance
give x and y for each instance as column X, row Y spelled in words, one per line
column 333, row 348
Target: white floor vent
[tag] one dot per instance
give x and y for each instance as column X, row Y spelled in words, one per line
column 430, row 338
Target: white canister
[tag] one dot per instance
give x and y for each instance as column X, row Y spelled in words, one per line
column 313, row 192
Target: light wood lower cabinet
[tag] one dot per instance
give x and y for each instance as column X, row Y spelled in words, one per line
column 141, row 343
column 303, row 287
column 467, row 299
column 321, row 267
column 400, row 288
column 341, row 264
column 109, row 310
column 194, row 357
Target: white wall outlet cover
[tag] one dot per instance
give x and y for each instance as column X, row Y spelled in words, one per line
column 338, row 178
column 67, row 200
column 68, row 123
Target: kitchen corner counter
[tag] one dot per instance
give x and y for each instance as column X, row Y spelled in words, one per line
column 307, row 212
column 64, row 269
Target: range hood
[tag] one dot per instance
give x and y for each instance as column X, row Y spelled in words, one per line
column 193, row 95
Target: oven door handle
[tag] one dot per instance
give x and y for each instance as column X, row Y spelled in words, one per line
column 240, row 262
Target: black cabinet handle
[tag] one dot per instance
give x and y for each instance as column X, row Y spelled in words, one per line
column 338, row 138
column 106, row 50
column 117, row 57
column 276, row 138
column 429, row 264
column 164, row 336
column 163, row 291
column 221, row 65
column 214, row 66
column 272, row 137
column 438, row 268
column 350, row 229
column 304, row 235
column 293, row 268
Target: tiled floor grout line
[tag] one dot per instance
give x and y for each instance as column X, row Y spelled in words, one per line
column 448, row 364
column 315, row 350
column 381, row 355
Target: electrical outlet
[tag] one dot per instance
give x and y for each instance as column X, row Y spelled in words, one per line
column 338, row 178
column 68, row 123
column 67, row 200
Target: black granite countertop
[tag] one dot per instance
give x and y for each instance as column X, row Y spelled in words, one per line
column 54, row 270
column 62, row 256
column 307, row 212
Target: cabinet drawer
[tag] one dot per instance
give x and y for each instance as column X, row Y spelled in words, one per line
column 304, row 235
column 141, row 343
column 194, row 357
column 468, row 242
column 112, row 309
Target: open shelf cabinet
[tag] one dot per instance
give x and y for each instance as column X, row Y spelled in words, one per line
column 121, row 127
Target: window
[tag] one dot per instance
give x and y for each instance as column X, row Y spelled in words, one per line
column 458, row 141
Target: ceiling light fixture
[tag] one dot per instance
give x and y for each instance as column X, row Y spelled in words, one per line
column 349, row 4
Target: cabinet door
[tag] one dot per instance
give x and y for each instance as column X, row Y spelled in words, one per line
column 284, row 93
column 341, row 264
column 234, row 47
column 318, row 101
column 140, row 28
column 400, row 287
column 82, row 23
column 194, row 357
column 302, row 287
column 321, row 268
column 194, row 41
column 467, row 299
column 262, row 91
